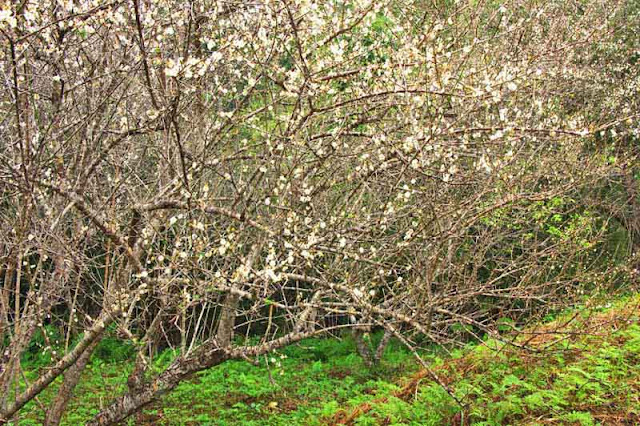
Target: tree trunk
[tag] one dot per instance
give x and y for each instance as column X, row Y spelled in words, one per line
column 363, row 347
column 60, row 367
column 6, row 364
column 133, row 401
column 371, row 358
column 227, row 320
column 65, row 392
column 382, row 345
column 206, row 356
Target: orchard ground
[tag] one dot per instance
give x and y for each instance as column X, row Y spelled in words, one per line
column 582, row 367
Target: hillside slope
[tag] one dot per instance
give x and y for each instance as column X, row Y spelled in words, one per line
column 582, row 368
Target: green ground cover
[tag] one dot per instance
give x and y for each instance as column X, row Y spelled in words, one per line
column 584, row 369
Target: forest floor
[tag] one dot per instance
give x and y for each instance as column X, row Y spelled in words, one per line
column 583, row 367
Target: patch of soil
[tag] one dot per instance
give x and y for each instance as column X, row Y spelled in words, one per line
column 339, row 373
column 288, row 405
column 145, row 418
column 240, row 397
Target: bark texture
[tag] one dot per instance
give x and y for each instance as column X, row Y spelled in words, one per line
column 60, row 367
column 126, row 405
column 71, row 378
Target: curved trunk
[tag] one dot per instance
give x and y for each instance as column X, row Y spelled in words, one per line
column 134, row 400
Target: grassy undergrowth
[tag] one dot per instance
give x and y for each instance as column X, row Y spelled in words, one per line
column 302, row 384
column 584, row 369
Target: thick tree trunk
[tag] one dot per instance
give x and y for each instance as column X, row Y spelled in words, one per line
column 133, row 401
column 206, row 356
column 370, row 357
column 136, row 378
column 307, row 319
column 227, row 320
